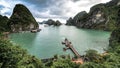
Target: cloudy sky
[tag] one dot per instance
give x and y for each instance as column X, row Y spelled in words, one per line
column 50, row 9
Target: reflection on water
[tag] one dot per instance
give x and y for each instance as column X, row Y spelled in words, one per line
column 47, row 42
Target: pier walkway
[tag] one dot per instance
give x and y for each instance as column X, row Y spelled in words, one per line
column 70, row 46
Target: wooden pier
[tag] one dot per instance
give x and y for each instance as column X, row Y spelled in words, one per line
column 70, row 46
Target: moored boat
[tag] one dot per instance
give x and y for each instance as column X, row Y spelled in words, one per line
column 35, row 30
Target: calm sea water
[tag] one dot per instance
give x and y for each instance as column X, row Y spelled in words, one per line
column 47, row 42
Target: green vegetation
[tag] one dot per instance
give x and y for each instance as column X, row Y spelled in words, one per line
column 64, row 63
column 115, row 36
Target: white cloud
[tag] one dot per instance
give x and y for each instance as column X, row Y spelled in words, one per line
column 8, row 6
column 69, row 8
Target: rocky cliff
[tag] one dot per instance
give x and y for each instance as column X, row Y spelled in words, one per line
column 76, row 19
column 22, row 19
column 3, row 23
column 101, row 16
column 115, row 36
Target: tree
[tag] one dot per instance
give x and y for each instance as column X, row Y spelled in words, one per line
column 64, row 63
column 93, row 56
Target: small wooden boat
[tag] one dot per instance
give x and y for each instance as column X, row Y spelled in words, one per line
column 36, row 30
column 33, row 31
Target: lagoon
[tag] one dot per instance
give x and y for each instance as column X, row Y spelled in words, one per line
column 47, row 42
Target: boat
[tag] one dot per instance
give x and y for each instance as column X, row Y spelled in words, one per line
column 35, row 30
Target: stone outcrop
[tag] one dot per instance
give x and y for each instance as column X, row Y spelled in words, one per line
column 4, row 23
column 101, row 16
column 22, row 19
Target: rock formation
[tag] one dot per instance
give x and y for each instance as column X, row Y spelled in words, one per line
column 3, row 23
column 22, row 19
column 52, row 22
column 101, row 16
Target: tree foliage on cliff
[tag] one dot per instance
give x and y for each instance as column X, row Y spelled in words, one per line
column 115, row 36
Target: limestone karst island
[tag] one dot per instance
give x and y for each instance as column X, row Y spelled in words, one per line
column 59, row 33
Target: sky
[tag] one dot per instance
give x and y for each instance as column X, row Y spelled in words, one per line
column 50, row 9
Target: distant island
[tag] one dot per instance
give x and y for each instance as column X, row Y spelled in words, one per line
column 51, row 22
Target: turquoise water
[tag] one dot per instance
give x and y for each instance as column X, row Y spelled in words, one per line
column 47, row 42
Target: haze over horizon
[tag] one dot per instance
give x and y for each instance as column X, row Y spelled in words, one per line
column 50, row 9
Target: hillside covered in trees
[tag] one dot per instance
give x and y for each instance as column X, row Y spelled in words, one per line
column 100, row 16
column 22, row 19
